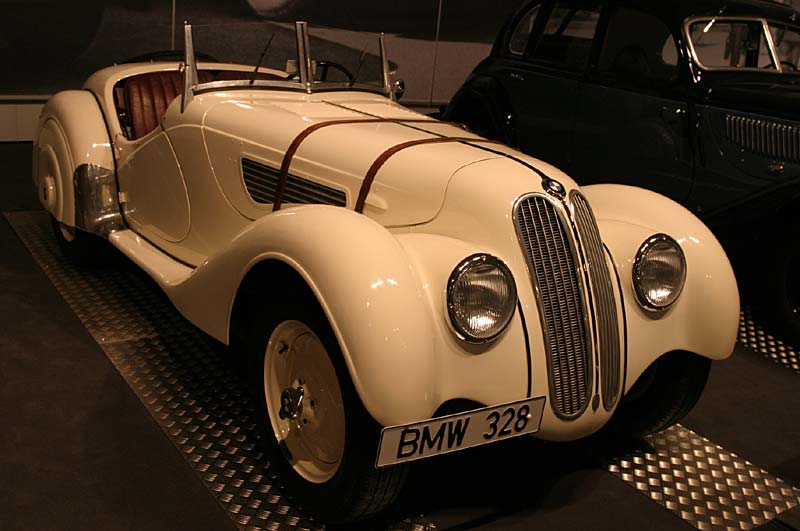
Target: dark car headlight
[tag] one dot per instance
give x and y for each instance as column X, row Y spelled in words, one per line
column 481, row 298
column 659, row 272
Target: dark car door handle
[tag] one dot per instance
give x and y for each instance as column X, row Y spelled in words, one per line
column 672, row 114
column 775, row 169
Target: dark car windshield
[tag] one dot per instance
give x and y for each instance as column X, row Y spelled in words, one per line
column 744, row 43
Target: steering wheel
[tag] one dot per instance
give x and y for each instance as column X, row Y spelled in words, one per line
column 786, row 65
column 324, row 66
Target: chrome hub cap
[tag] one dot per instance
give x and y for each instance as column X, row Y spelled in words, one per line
column 304, row 401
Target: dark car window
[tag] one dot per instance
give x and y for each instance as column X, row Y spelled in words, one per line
column 787, row 44
column 731, row 44
column 519, row 39
column 567, row 37
column 638, row 46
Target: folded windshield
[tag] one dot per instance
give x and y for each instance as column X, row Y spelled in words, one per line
column 744, row 43
column 288, row 56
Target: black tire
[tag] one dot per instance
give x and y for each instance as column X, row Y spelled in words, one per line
column 780, row 298
column 663, row 394
column 79, row 247
column 357, row 490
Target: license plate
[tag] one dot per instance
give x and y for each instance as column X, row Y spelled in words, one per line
column 442, row 435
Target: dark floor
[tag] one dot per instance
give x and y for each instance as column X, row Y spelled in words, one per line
column 82, row 452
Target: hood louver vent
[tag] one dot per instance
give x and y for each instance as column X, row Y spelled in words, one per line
column 262, row 183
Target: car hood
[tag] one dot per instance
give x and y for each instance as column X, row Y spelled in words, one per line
column 774, row 97
column 409, row 187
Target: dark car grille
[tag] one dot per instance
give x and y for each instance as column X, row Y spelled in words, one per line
column 604, row 300
column 554, row 268
column 262, row 182
column 764, row 137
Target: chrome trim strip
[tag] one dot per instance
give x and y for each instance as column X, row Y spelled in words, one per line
column 387, row 84
column 190, row 79
column 579, row 384
column 607, row 326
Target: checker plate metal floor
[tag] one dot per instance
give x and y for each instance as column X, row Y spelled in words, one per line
column 703, row 483
column 197, row 399
column 755, row 337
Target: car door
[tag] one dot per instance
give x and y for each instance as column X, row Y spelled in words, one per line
column 630, row 122
column 541, row 81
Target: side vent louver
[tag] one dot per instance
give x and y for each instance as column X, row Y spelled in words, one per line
column 764, row 137
column 262, row 183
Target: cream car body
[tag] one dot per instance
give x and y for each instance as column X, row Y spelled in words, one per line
column 176, row 202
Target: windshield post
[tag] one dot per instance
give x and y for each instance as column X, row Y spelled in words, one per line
column 771, row 45
column 189, row 68
column 303, row 55
column 385, row 67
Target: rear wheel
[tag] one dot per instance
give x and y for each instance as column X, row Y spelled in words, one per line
column 663, row 394
column 319, row 438
column 79, row 247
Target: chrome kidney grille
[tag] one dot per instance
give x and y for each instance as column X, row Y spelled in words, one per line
column 571, row 316
column 605, row 304
column 551, row 258
column 764, row 137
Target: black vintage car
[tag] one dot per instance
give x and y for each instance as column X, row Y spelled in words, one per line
column 696, row 99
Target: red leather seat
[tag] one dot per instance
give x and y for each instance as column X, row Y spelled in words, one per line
column 148, row 96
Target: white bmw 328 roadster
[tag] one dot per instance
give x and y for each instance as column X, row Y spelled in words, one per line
column 400, row 287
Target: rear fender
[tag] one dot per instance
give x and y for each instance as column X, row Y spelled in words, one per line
column 705, row 318
column 71, row 134
column 364, row 283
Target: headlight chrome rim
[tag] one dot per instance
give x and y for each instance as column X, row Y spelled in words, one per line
column 464, row 267
column 641, row 255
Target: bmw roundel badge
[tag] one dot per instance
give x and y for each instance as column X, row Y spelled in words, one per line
column 554, row 187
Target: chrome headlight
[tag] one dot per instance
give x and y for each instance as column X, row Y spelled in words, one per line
column 481, row 298
column 659, row 272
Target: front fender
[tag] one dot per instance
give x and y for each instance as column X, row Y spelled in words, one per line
column 705, row 319
column 363, row 281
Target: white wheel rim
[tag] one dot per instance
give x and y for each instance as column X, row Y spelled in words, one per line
column 313, row 441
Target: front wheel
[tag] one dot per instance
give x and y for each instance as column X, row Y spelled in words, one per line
column 663, row 394
column 320, row 440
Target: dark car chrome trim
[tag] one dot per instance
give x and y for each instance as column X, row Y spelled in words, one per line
column 742, row 18
column 763, row 136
